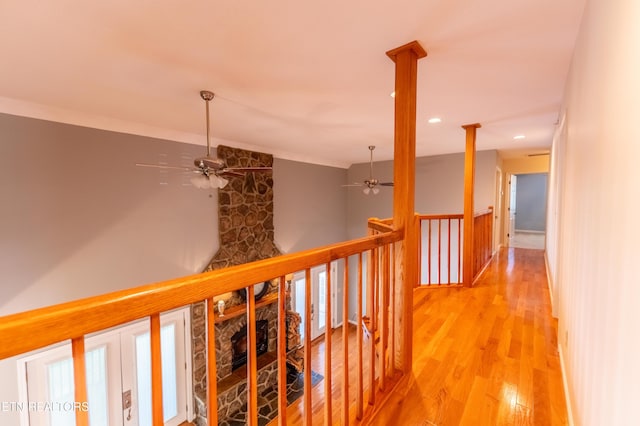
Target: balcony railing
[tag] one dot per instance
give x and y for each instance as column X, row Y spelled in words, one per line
column 74, row 320
column 441, row 247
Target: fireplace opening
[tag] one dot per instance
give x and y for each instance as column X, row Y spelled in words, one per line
column 239, row 343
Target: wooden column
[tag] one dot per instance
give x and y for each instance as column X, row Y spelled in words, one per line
column 80, row 379
column 404, row 174
column 157, row 413
column 469, row 178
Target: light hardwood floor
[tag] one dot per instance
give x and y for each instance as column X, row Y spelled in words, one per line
column 485, row 355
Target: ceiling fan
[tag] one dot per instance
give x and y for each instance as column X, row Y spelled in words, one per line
column 210, row 172
column 371, row 184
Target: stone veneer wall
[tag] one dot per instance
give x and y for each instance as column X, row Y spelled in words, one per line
column 245, row 216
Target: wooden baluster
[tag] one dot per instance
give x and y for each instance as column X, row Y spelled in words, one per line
column 79, row 379
column 307, row 348
column 359, row 338
column 419, row 233
column 372, row 334
column 156, row 371
column 282, row 352
column 439, row 251
column 374, row 278
column 429, row 278
column 252, row 359
column 345, row 344
column 384, row 308
column 392, row 306
column 449, row 251
column 212, row 369
column 328, row 408
column 459, row 252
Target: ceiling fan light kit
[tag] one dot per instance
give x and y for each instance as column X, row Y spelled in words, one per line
column 204, row 182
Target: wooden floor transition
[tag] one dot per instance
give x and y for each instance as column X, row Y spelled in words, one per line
column 485, row 355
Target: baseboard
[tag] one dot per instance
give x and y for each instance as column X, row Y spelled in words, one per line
column 565, row 383
column 550, row 285
column 528, row 231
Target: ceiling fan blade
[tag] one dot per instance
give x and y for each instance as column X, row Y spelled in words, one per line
column 160, row 166
column 353, row 184
column 385, row 183
column 230, row 173
column 247, row 169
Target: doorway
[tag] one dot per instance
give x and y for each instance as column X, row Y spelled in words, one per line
column 118, row 375
column 318, row 298
column 526, row 208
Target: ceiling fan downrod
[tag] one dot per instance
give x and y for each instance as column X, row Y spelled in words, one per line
column 207, row 96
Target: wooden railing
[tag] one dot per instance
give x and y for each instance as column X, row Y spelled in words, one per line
column 482, row 240
column 74, row 320
column 440, row 251
column 441, row 247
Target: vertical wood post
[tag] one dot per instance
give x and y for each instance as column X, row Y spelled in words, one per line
column 157, row 413
column 212, row 369
column 406, row 60
column 252, row 359
column 469, row 178
column 345, row 344
column 80, row 379
column 328, row 400
column 282, row 352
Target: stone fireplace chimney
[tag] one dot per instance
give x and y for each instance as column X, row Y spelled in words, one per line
column 245, row 211
column 245, row 215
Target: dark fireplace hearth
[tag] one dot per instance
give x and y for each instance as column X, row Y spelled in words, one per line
column 239, row 343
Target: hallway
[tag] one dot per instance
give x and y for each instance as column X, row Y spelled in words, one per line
column 486, row 355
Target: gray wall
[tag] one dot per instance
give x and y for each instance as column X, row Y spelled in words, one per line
column 310, row 209
column 78, row 218
column 310, row 206
column 531, row 202
column 439, row 190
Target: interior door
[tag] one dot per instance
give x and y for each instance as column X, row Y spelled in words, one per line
column 136, row 372
column 118, row 372
column 513, row 184
column 318, row 299
column 497, row 211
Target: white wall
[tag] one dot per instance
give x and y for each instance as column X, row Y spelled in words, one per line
column 596, row 204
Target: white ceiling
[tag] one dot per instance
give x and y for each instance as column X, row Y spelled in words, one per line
column 305, row 80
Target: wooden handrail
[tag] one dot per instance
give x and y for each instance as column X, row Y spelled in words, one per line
column 438, row 216
column 56, row 323
column 482, row 213
column 380, row 225
column 481, row 252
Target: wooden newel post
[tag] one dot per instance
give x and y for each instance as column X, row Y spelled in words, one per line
column 469, row 178
column 406, row 261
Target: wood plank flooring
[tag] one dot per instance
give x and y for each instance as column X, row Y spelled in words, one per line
column 485, row 355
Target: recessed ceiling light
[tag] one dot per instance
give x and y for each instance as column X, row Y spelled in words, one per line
column 434, row 120
column 393, row 94
column 519, row 137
